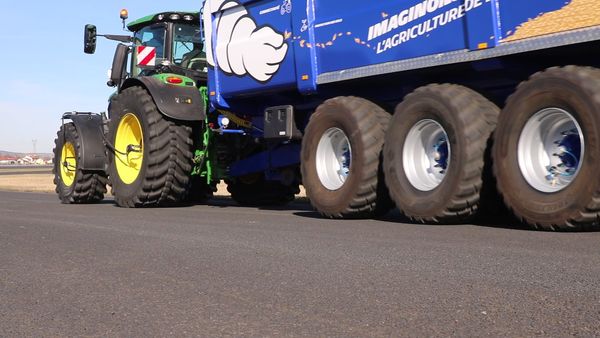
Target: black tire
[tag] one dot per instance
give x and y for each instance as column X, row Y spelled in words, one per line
column 362, row 193
column 255, row 191
column 577, row 206
column 84, row 186
column 164, row 174
column 468, row 119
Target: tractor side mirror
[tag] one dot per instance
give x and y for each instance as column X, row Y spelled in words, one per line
column 118, row 72
column 89, row 39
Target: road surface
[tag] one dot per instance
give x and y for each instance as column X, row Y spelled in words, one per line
column 25, row 170
column 224, row 270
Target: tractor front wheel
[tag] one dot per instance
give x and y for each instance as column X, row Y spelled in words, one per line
column 74, row 185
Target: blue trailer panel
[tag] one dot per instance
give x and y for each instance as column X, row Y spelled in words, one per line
column 300, row 40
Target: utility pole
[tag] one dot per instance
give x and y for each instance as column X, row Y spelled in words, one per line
column 34, row 146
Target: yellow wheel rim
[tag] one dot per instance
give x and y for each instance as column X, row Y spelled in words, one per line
column 68, row 164
column 130, row 152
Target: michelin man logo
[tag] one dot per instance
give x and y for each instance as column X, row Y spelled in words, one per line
column 241, row 47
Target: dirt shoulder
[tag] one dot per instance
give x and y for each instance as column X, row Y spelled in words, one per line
column 27, row 183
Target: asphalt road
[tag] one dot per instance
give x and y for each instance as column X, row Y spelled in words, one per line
column 223, row 270
column 24, row 170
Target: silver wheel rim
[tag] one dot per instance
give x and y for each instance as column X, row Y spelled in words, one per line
column 550, row 150
column 426, row 155
column 334, row 157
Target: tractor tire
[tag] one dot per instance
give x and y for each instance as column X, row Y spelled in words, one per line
column 434, row 153
column 546, row 150
column 255, row 191
column 340, row 159
column 152, row 159
column 74, row 185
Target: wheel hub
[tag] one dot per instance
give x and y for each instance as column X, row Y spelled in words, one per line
column 440, row 155
column 333, row 158
column 426, row 155
column 550, row 150
column 129, row 152
column 68, row 164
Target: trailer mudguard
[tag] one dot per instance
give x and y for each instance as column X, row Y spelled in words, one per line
column 93, row 151
column 182, row 103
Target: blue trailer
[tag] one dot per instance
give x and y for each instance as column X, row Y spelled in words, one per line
column 435, row 100
column 445, row 109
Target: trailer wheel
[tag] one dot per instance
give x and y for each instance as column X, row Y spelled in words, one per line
column 434, row 152
column 254, row 190
column 152, row 160
column 340, row 159
column 73, row 184
column 546, row 150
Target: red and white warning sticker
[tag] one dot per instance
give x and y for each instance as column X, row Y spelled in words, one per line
column 146, row 56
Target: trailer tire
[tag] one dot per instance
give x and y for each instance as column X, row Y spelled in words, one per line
column 340, row 159
column 555, row 108
column 152, row 162
column 74, row 185
column 255, row 191
column 434, row 153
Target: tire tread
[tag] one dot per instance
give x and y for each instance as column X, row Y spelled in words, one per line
column 167, row 178
column 89, row 186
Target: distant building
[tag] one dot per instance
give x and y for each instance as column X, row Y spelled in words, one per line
column 8, row 160
column 25, row 160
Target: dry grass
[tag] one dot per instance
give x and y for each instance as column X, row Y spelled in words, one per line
column 27, row 182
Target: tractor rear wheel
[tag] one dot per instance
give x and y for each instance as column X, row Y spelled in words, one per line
column 73, row 184
column 151, row 163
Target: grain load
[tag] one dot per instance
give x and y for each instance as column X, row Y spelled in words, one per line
column 578, row 14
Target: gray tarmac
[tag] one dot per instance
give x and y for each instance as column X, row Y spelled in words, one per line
column 224, row 270
column 24, row 170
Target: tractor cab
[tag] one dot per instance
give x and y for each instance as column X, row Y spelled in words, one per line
column 168, row 39
column 168, row 42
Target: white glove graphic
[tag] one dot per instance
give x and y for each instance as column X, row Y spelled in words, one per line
column 241, row 47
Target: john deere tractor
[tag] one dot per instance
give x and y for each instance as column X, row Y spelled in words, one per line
column 153, row 142
column 158, row 145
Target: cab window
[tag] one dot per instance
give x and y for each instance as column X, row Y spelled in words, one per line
column 152, row 36
column 188, row 50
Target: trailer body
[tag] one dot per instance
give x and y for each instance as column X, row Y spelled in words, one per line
column 322, row 60
column 330, row 41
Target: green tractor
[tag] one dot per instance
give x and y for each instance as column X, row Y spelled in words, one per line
column 152, row 146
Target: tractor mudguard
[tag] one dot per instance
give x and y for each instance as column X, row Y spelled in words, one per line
column 177, row 102
column 89, row 128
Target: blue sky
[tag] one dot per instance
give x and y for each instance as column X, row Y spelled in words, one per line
column 45, row 70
